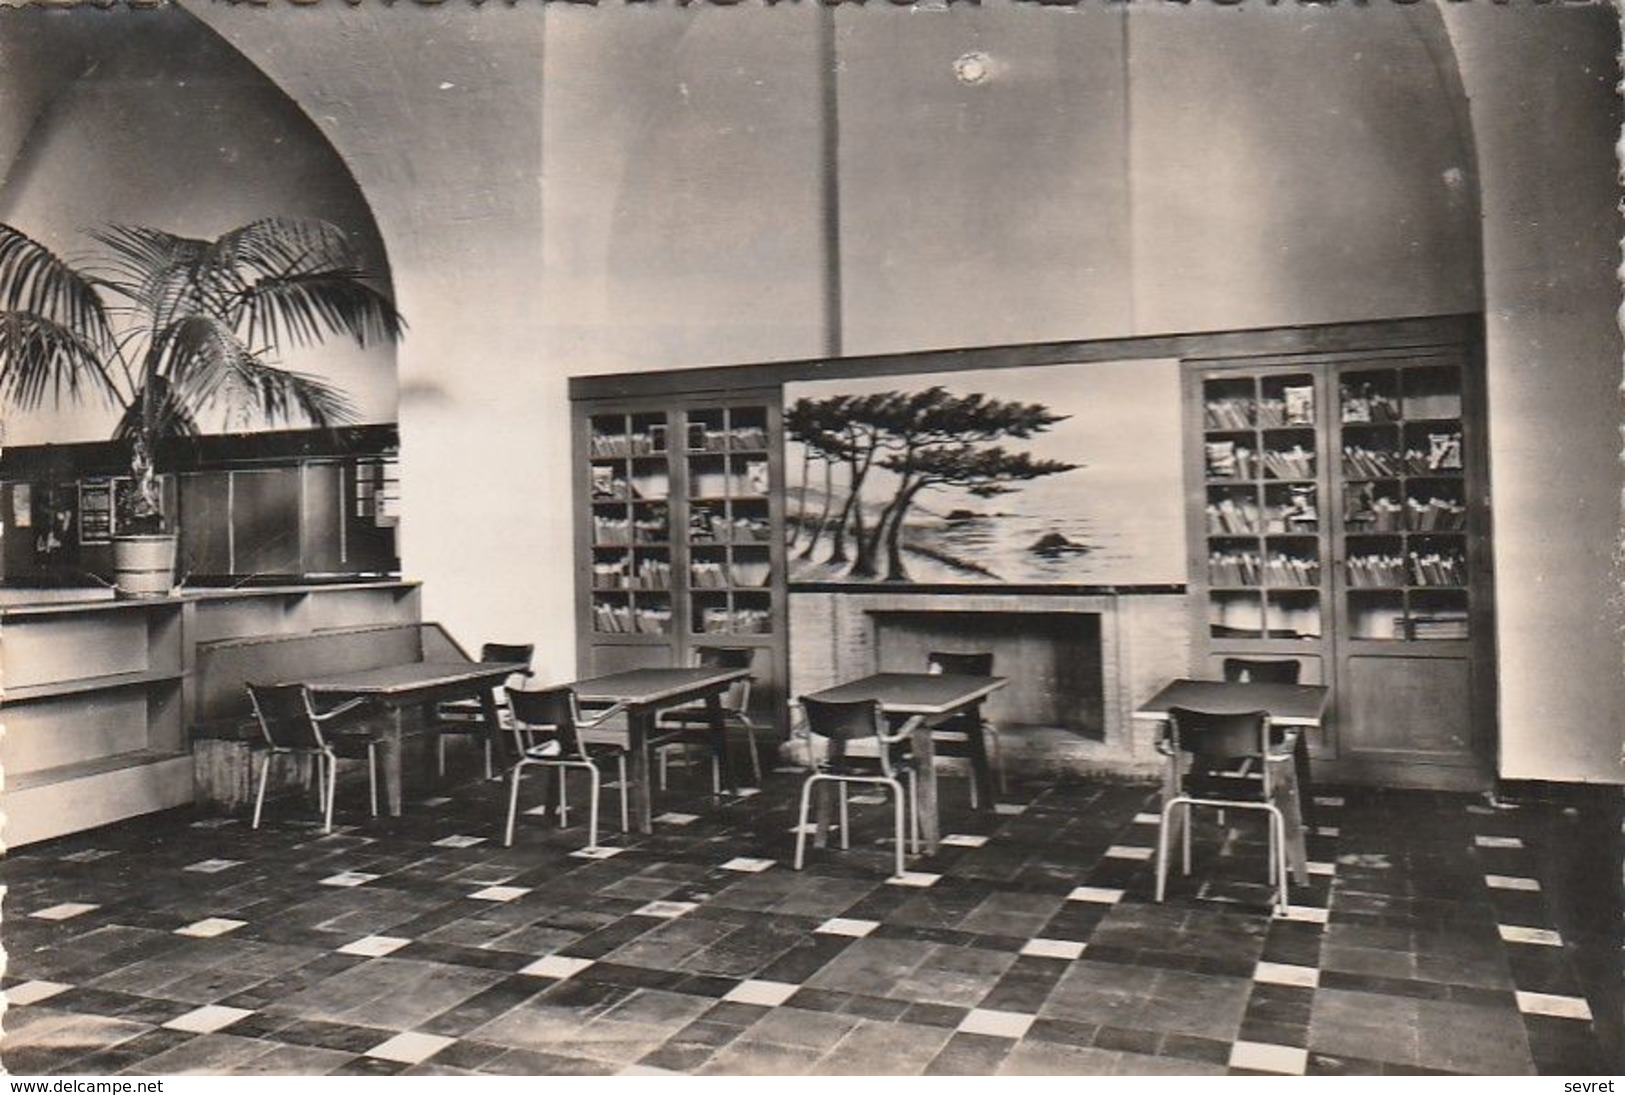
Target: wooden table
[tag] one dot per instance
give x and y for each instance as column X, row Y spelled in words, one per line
column 645, row 693
column 398, row 687
column 919, row 698
column 1294, row 707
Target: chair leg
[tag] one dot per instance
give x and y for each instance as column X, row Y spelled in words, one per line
column 1162, row 847
column 592, row 806
column 332, row 786
column 995, row 756
column 620, row 776
column 914, row 811
column 899, row 804
column 259, row 799
column 1278, row 857
column 488, row 758
column 661, row 754
column 1185, row 833
column 801, row 819
column 564, row 799
column 372, row 776
column 755, row 753
column 440, row 755
column 513, row 801
column 974, row 797
column 845, row 840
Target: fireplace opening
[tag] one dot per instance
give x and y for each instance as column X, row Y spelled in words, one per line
column 1052, row 660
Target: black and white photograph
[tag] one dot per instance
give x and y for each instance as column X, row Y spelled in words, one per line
column 745, row 538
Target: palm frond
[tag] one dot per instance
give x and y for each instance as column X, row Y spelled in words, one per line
column 277, row 246
column 155, row 270
column 205, row 362
column 301, row 309
column 39, row 357
column 34, row 280
column 158, row 411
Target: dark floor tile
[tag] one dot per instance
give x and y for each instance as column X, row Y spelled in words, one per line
column 1127, row 1040
column 934, row 1015
column 370, row 1066
column 340, row 1036
column 1322, row 1064
column 1274, row 1033
column 1187, row 1047
column 969, row 1055
column 875, row 1007
column 1063, row 1032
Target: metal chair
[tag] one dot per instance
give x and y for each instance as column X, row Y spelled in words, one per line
column 1201, row 747
column 467, row 717
column 677, row 729
column 291, row 727
column 968, row 734
column 839, row 725
column 547, row 733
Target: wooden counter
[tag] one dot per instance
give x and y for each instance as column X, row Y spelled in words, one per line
column 99, row 693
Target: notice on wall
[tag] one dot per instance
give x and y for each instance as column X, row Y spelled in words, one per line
column 22, row 505
column 96, row 511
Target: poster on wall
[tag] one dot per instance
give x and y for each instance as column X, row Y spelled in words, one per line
column 96, row 511
column 1041, row 475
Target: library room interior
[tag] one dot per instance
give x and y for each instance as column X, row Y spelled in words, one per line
column 810, row 538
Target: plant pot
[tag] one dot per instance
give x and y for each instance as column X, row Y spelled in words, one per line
column 144, row 566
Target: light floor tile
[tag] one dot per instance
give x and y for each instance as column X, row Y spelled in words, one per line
column 1316, row 867
column 963, row 840
column 1099, row 895
column 1000, row 1024
column 207, row 1019
column 1498, row 842
column 868, row 799
column 1148, row 819
column 747, row 792
column 1053, row 948
column 1328, row 830
column 348, row 878
column 646, row 1070
column 210, row 927
column 1561, row 1007
column 459, row 840
column 32, row 992
column 677, row 819
column 666, row 910
column 437, row 800
column 213, row 866
column 748, row 865
column 410, row 1048
column 1511, row 882
column 374, row 946
column 766, row 993
column 500, row 893
column 1328, row 800
column 600, row 852
column 89, row 855
column 1275, row 973
column 1129, row 851
column 921, row 879
column 1517, row 933
column 1009, row 809
column 1306, row 913
column 1265, row 1057
column 556, row 965
column 214, row 822
column 840, row 925
column 65, row 911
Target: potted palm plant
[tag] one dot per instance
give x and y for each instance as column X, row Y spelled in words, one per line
column 169, row 328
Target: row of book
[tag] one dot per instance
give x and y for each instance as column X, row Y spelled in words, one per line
column 620, row 619
column 1377, row 571
column 1295, row 406
column 610, row 531
column 1293, row 463
column 703, row 438
column 749, row 482
column 608, row 486
column 715, row 575
column 708, row 527
column 649, row 574
column 1411, row 515
column 721, row 620
column 1443, row 454
column 1244, row 568
column 638, row 443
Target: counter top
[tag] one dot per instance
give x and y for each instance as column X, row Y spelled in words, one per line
column 17, row 601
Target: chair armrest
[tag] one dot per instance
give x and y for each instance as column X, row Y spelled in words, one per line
column 342, row 709
column 904, row 731
column 599, row 717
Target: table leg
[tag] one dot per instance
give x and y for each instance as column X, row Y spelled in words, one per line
column 925, row 760
column 392, row 760
column 1289, row 794
column 719, row 742
column 1178, row 819
column 980, row 770
column 639, row 723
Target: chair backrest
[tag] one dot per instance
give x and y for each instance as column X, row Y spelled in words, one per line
column 737, row 697
column 842, row 722
column 286, row 716
column 977, row 664
column 1215, row 740
column 1270, row 670
column 508, row 652
column 540, row 715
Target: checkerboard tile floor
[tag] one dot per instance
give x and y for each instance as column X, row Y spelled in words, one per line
column 1425, row 942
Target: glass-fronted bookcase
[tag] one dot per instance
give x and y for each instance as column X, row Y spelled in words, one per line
column 680, row 535
column 1338, row 517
